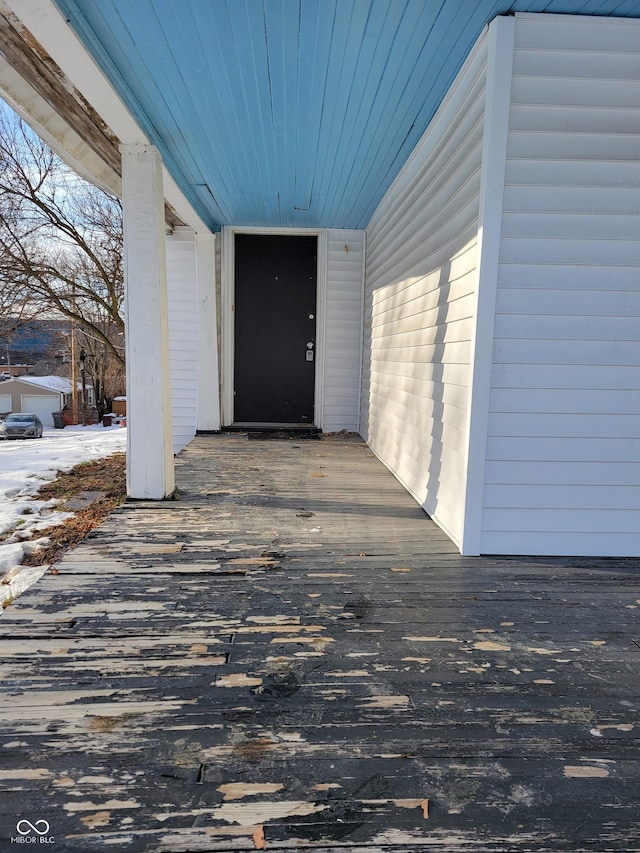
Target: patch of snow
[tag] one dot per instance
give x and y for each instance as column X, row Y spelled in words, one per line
column 25, row 466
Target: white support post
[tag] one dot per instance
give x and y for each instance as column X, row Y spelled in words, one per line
column 150, row 471
column 208, row 411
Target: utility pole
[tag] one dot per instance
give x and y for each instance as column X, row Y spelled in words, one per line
column 84, row 386
column 74, row 381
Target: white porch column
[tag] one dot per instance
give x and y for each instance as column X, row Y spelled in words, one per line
column 208, row 412
column 150, row 472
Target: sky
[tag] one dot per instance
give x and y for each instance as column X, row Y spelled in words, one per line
column 25, row 466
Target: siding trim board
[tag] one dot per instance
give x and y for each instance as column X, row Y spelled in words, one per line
column 208, row 383
column 343, row 330
column 496, row 127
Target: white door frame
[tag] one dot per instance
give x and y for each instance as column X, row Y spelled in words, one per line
column 228, row 307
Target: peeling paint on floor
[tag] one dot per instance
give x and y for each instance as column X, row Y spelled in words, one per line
column 197, row 678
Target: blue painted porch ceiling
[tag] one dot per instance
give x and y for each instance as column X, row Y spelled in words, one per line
column 290, row 112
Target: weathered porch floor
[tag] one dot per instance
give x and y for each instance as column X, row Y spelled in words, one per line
column 293, row 656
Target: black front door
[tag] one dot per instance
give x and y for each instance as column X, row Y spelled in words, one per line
column 275, row 328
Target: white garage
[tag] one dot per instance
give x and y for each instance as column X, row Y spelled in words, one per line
column 41, row 395
column 42, row 405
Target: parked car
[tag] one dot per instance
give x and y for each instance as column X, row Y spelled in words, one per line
column 21, row 425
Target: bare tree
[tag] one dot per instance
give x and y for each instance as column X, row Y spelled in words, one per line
column 60, row 240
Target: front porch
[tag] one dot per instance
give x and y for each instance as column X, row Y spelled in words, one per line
column 293, row 656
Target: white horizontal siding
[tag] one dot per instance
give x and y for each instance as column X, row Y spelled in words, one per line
column 421, row 277
column 563, row 454
column 577, row 449
column 615, row 544
column 343, row 331
column 183, row 334
column 530, row 427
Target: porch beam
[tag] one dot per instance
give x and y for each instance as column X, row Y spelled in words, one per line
column 150, row 469
column 78, row 72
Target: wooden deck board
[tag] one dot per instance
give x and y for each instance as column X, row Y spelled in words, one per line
column 292, row 656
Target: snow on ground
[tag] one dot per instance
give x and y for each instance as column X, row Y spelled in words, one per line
column 25, row 466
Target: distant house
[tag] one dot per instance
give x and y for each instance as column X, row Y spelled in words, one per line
column 9, row 370
column 413, row 220
column 41, row 395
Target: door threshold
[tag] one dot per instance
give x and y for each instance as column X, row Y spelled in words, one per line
column 241, row 426
column 271, row 430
